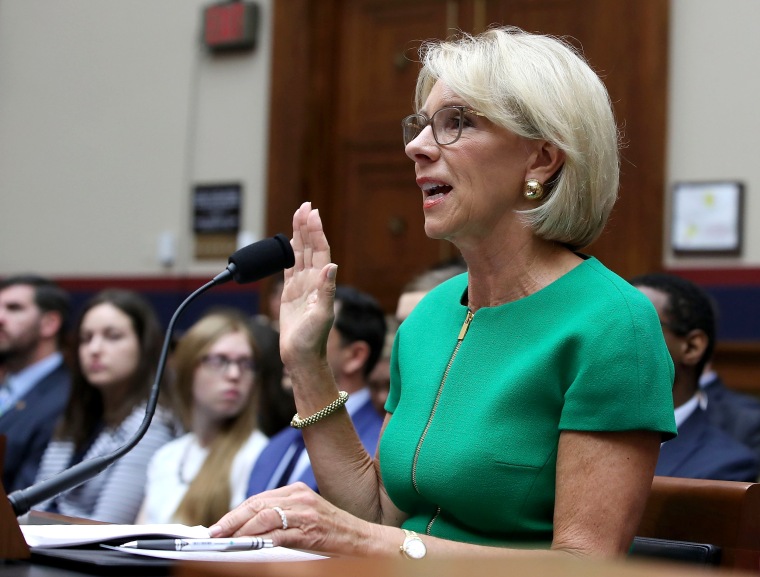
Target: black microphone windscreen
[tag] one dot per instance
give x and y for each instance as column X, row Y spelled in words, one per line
column 262, row 258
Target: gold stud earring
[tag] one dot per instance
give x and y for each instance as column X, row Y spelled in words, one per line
column 534, row 190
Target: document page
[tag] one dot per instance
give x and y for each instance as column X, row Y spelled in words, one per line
column 71, row 535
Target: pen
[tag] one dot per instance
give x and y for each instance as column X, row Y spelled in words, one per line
column 231, row 544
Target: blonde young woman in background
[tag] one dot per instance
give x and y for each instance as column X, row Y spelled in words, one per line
column 196, row 478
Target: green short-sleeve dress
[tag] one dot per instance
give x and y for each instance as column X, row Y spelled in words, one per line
column 470, row 450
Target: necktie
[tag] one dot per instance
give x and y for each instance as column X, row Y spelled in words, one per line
column 299, row 447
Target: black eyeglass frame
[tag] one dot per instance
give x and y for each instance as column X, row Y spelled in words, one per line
column 420, row 126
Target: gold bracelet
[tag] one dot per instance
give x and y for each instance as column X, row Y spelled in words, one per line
column 300, row 423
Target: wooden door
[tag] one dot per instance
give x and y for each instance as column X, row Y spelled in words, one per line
column 343, row 77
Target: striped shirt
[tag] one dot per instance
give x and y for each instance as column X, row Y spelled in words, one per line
column 116, row 493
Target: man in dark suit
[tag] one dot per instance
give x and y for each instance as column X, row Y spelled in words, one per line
column 701, row 450
column 735, row 413
column 35, row 387
column 353, row 348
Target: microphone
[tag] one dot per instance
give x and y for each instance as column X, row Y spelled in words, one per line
column 248, row 264
column 259, row 260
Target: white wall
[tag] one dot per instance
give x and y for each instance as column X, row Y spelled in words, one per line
column 714, row 121
column 109, row 113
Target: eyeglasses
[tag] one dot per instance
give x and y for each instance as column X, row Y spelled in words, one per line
column 447, row 124
column 221, row 363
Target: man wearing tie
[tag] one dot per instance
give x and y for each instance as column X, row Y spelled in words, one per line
column 35, row 386
column 354, row 345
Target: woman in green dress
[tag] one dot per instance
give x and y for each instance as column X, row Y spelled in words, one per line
column 529, row 396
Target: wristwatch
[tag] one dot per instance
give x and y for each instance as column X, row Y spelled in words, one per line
column 413, row 547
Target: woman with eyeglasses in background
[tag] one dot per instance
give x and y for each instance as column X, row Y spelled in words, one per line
column 117, row 344
column 196, row 478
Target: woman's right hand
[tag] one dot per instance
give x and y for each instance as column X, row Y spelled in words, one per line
column 306, row 310
column 295, row 516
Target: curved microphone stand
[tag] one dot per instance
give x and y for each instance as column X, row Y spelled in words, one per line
column 248, row 264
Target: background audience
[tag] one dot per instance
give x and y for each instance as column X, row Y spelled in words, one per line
column 701, row 450
column 196, row 478
column 35, row 382
column 118, row 343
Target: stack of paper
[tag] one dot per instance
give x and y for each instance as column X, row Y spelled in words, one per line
column 60, row 536
column 49, row 536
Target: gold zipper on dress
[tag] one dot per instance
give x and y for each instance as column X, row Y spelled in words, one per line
column 460, row 338
column 432, row 520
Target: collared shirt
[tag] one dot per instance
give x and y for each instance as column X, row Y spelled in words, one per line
column 685, row 411
column 354, row 403
column 706, row 378
column 19, row 384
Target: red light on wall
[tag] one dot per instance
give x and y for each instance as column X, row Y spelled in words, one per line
column 230, row 25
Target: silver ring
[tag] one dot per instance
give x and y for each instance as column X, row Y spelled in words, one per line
column 282, row 516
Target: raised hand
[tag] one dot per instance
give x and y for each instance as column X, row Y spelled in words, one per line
column 306, row 311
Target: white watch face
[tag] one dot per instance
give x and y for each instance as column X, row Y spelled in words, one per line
column 414, row 547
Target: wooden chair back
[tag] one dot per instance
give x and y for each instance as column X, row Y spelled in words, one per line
column 722, row 513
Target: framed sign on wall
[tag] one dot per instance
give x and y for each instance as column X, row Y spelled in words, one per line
column 216, row 219
column 707, row 218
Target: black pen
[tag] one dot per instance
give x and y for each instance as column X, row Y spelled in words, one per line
column 231, row 544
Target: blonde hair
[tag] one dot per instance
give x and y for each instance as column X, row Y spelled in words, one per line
column 539, row 87
column 208, row 496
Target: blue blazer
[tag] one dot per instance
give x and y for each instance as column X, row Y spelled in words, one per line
column 29, row 425
column 736, row 413
column 366, row 420
column 702, row 451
